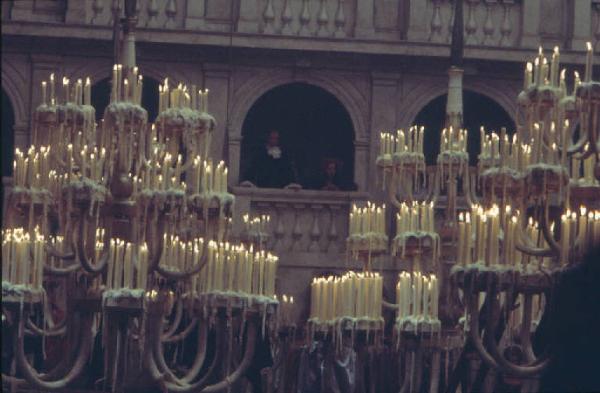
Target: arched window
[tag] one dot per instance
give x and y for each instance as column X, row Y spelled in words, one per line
column 479, row 110
column 101, row 97
column 315, row 135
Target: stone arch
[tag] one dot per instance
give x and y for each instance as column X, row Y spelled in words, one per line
column 480, row 110
column 315, row 130
column 345, row 92
column 252, row 90
column 424, row 95
column 15, row 86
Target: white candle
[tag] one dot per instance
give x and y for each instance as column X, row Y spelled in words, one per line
column 589, row 62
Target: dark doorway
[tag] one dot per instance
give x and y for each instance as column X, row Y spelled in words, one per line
column 8, row 135
column 314, row 129
column 479, row 110
column 101, row 97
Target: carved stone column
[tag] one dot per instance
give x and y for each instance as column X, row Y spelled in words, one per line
column 315, row 231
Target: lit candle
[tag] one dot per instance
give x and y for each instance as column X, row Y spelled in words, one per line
column 555, row 67
column 52, row 90
column 589, row 62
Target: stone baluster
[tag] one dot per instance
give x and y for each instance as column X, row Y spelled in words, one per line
column 297, row 230
column 450, row 24
column 304, row 19
column 323, row 20
column 471, row 25
column 435, row 34
column 286, row 18
column 279, row 231
column 97, row 8
column 315, row 232
column 152, row 11
column 332, row 236
column 506, row 28
column 170, row 11
column 488, row 25
column 340, row 21
column 269, row 18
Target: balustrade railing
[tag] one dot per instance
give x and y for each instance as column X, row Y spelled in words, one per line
column 302, row 221
column 488, row 23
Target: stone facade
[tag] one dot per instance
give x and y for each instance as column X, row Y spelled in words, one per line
column 383, row 60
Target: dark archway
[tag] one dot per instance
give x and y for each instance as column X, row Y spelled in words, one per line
column 101, row 97
column 314, row 127
column 479, row 110
column 8, row 134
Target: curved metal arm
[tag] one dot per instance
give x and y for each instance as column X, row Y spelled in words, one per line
column 548, row 236
column 392, row 188
column 173, row 275
column 435, row 372
column 166, row 373
column 493, row 358
column 52, row 251
column 176, row 321
column 251, row 336
column 200, row 356
column 58, row 330
column 36, row 379
column 61, row 271
column 523, row 244
column 82, row 254
column 232, row 378
column 183, row 334
column 156, row 245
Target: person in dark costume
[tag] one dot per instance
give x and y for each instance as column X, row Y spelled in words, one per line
column 570, row 330
column 271, row 167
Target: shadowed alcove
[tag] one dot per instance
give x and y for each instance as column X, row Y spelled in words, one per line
column 8, row 137
column 314, row 127
column 479, row 110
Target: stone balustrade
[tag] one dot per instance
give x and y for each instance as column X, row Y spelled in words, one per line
column 344, row 25
column 304, row 223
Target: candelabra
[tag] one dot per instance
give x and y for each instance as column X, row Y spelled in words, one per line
column 533, row 212
column 132, row 219
column 511, row 248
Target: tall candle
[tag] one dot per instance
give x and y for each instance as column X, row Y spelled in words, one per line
column 589, row 62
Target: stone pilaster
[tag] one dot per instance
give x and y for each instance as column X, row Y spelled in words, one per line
column 383, row 115
column 216, row 80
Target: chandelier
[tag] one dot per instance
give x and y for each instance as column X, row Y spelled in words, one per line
column 530, row 211
column 132, row 221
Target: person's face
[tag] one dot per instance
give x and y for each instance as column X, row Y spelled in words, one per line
column 330, row 170
column 273, row 139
